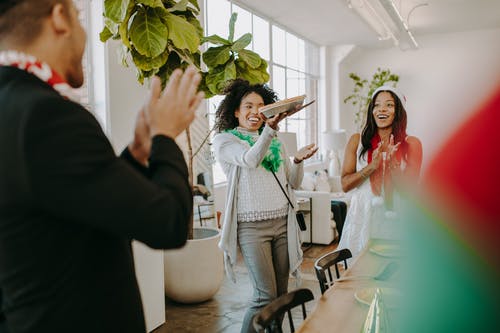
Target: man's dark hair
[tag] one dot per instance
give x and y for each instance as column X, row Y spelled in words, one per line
column 235, row 92
column 21, row 20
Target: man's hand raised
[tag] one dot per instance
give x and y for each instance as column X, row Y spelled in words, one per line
column 170, row 112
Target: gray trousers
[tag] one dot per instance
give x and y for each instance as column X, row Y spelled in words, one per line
column 264, row 247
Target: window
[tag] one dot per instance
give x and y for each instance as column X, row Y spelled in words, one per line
column 293, row 65
column 83, row 91
column 92, row 93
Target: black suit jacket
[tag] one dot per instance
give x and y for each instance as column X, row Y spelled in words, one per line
column 69, row 209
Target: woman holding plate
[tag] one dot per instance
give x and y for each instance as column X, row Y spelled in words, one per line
column 257, row 215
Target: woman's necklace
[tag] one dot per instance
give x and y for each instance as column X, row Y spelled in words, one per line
column 272, row 161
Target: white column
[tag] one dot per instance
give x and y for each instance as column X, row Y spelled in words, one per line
column 125, row 96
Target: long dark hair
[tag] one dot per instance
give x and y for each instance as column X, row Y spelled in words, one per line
column 235, row 91
column 398, row 125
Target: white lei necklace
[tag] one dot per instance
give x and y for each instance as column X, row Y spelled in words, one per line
column 38, row 68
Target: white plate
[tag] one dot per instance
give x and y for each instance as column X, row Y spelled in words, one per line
column 282, row 106
column 390, row 296
column 386, row 250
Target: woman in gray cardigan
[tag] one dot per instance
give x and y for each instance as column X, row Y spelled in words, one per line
column 257, row 215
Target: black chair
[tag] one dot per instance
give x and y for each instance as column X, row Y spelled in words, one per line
column 323, row 264
column 269, row 318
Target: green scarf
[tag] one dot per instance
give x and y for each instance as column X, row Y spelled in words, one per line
column 272, row 161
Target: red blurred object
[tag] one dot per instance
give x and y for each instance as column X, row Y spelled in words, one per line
column 465, row 178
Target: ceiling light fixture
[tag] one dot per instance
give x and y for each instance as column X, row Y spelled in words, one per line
column 370, row 15
column 386, row 20
column 402, row 25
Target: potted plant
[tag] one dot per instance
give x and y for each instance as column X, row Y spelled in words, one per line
column 158, row 36
column 363, row 91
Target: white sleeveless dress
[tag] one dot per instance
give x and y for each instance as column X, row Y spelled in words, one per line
column 366, row 216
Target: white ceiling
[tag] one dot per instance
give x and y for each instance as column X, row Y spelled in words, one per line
column 331, row 22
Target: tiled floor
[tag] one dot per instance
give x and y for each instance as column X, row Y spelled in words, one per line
column 224, row 313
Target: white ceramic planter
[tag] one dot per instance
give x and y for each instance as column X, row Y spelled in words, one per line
column 195, row 272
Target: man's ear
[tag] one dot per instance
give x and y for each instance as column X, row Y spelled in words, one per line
column 60, row 19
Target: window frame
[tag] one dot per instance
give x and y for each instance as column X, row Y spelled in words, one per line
column 308, row 117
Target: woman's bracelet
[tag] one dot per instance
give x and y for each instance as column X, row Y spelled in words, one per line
column 296, row 161
column 396, row 166
column 363, row 174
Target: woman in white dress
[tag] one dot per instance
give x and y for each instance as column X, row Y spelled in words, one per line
column 373, row 160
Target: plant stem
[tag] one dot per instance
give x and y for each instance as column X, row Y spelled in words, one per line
column 190, row 173
column 203, row 142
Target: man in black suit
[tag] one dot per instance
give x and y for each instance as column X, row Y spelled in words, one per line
column 69, row 207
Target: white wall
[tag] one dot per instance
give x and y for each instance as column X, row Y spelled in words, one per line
column 125, row 97
column 445, row 80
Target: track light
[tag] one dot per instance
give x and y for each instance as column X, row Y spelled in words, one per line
column 404, row 30
column 386, row 20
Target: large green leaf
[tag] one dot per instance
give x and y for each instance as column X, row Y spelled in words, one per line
column 242, row 42
column 263, row 70
column 123, row 29
column 215, row 39
column 111, row 25
column 115, row 10
column 255, row 76
column 146, row 63
column 105, row 34
column 197, row 59
column 241, row 65
column 123, row 52
column 251, row 58
column 216, row 55
column 141, row 75
column 148, row 33
column 151, row 3
column 195, row 4
column 184, row 55
column 230, row 71
column 182, row 33
column 166, row 70
column 203, row 86
column 232, row 20
column 215, row 79
column 196, row 24
column 180, row 6
column 169, row 3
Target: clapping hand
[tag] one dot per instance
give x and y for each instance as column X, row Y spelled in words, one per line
column 305, row 152
column 392, row 149
column 140, row 148
column 376, row 158
column 386, row 155
column 169, row 112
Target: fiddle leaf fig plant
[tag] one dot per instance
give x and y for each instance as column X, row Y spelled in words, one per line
column 363, row 91
column 159, row 36
column 162, row 35
column 230, row 60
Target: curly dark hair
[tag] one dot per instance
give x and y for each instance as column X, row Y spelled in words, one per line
column 398, row 125
column 235, row 91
